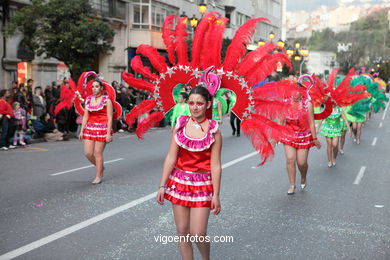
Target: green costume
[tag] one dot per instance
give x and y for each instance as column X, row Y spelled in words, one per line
column 179, row 110
column 215, row 110
column 331, row 126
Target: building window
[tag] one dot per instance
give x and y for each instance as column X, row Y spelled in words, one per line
column 241, row 19
column 118, row 10
column 143, row 9
column 115, row 9
column 101, row 6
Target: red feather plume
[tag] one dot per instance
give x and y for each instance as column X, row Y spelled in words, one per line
column 147, row 123
column 137, row 83
column 345, row 94
column 268, row 64
column 168, row 35
column 181, row 41
column 262, row 131
column 241, row 39
column 332, row 78
column 140, row 109
column 253, row 57
column 319, row 92
column 137, row 66
column 158, row 61
column 197, row 43
column 213, row 43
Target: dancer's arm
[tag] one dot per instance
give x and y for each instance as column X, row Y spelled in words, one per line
column 216, row 169
column 346, row 121
column 169, row 164
column 110, row 115
column 85, row 120
column 313, row 131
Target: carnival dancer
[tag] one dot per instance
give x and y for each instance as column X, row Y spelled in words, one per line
column 180, row 109
column 331, row 129
column 100, row 109
column 96, row 129
column 191, row 173
column 297, row 146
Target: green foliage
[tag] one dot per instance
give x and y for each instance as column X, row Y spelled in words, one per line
column 323, row 40
column 63, row 29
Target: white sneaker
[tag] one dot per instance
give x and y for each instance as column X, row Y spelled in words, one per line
column 11, row 147
column 4, row 148
column 121, row 131
column 341, row 151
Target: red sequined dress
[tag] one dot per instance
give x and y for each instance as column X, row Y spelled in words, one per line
column 190, row 183
column 302, row 138
column 96, row 127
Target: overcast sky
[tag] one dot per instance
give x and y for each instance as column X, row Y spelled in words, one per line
column 309, row 5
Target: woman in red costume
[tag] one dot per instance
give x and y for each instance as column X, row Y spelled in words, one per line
column 96, row 129
column 191, row 174
column 297, row 145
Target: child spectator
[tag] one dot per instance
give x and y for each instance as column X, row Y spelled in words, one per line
column 19, row 123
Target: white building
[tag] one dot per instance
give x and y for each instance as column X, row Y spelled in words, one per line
column 321, row 62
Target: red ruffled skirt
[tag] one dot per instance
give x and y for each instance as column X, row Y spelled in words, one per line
column 190, row 189
column 95, row 131
column 300, row 140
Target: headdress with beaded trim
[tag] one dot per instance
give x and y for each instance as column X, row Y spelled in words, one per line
column 238, row 72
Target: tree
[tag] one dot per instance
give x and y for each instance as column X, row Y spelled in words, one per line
column 67, row 30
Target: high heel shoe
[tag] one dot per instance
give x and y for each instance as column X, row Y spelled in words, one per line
column 330, row 164
column 303, row 185
column 94, row 182
column 291, row 190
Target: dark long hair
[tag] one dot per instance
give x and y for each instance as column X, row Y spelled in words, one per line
column 200, row 90
column 204, row 92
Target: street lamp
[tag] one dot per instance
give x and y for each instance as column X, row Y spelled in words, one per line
column 281, row 43
column 297, row 45
column 202, row 7
column 194, row 21
column 289, row 51
column 271, row 35
column 260, row 43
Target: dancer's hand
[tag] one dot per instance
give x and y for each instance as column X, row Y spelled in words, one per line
column 317, row 144
column 349, row 132
column 160, row 196
column 109, row 138
column 215, row 205
column 81, row 136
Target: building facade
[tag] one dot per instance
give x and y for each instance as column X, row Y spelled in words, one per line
column 135, row 22
column 19, row 64
column 321, row 62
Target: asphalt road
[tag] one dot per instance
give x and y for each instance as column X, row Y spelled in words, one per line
column 49, row 209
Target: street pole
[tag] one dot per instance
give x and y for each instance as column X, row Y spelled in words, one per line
column 301, row 66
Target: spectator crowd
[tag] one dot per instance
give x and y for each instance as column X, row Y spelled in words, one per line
column 27, row 111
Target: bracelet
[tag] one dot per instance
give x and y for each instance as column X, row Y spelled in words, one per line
column 161, row 186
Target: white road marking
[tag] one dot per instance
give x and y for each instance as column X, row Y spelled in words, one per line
column 360, row 175
column 43, row 241
column 380, row 125
column 374, row 141
column 384, row 114
column 379, row 206
column 84, row 167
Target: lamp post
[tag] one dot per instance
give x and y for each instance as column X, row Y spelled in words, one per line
column 202, row 7
column 271, row 35
column 304, row 53
column 261, row 42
